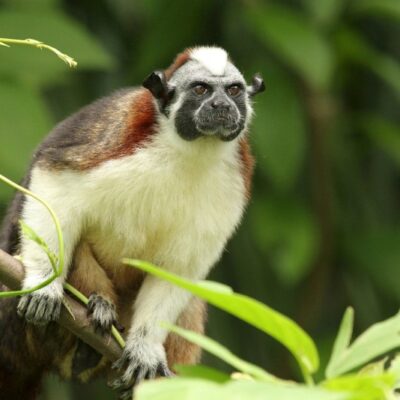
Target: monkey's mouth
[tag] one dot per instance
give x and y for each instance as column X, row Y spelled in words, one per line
column 223, row 125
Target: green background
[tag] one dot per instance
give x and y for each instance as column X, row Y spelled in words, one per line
column 322, row 230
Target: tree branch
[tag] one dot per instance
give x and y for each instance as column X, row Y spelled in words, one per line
column 11, row 275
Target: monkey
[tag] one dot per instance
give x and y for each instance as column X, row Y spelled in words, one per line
column 161, row 173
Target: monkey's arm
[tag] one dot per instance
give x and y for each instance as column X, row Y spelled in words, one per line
column 74, row 145
column 144, row 356
column 44, row 305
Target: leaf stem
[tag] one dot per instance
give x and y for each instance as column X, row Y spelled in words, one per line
column 40, row 45
column 308, row 379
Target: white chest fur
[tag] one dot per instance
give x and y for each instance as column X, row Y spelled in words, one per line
column 174, row 208
column 174, row 204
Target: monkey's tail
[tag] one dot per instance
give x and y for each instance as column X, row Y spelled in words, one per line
column 21, row 370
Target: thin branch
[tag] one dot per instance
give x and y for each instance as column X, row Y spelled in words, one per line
column 40, row 45
column 11, row 275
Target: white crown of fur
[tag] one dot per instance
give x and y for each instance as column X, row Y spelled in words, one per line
column 214, row 59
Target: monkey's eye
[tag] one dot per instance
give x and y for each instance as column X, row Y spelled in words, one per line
column 234, row 90
column 200, row 90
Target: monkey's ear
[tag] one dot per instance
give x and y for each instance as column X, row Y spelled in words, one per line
column 257, row 85
column 157, row 84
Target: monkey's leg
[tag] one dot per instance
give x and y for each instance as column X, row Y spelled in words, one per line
column 179, row 350
column 89, row 278
column 21, row 372
column 144, row 356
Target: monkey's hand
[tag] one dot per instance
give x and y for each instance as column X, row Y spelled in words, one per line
column 41, row 306
column 102, row 313
column 141, row 359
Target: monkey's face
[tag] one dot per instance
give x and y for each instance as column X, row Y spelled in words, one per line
column 206, row 96
column 207, row 105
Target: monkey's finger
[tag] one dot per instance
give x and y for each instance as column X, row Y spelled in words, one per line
column 119, row 327
column 126, row 394
column 164, row 371
column 121, row 384
column 56, row 310
column 151, row 374
column 116, row 384
column 119, row 364
column 43, row 309
column 125, row 381
column 102, row 323
column 40, row 312
column 140, row 375
column 23, row 305
column 92, row 303
column 32, row 309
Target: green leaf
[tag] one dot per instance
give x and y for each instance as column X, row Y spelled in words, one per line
column 197, row 389
column 215, row 286
column 343, row 338
column 383, row 133
column 386, row 8
column 353, row 47
column 57, row 30
column 202, row 372
column 394, row 369
column 252, row 311
column 363, row 387
column 223, row 353
column 374, row 368
column 293, row 38
column 376, row 341
column 279, row 132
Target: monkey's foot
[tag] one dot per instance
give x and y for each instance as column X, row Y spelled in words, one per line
column 39, row 308
column 102, row 313
column 138, row 362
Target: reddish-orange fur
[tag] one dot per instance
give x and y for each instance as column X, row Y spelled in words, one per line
column 180, row 351
column 87, row 276
column 247, row 161
column 140, row 124
column 181, row 59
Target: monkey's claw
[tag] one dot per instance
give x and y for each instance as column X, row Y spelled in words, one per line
column 102, row 313
column 134, row 371
column 39, row 308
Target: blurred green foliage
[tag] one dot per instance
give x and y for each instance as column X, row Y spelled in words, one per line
column 323, row 228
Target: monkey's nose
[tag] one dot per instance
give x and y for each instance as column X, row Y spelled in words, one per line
column 221, row 105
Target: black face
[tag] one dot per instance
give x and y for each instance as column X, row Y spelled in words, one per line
column 216, row 107
column 212, row 109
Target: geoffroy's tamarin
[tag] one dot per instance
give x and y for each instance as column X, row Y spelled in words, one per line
column 160, row 173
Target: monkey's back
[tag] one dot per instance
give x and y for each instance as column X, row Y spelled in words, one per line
column 79, row 142
column 89, row 136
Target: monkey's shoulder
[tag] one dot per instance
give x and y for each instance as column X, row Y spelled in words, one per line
column 110, row 127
